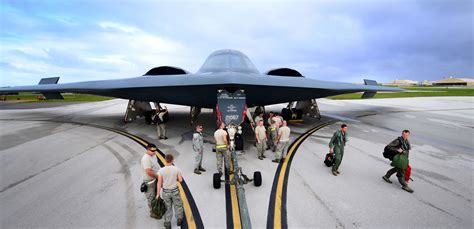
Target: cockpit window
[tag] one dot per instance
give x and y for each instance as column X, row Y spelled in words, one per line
column 217, row 61
column 228, row 62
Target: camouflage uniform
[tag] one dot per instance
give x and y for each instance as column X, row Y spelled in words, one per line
column 222, row 154
column 161, row 130
column 259, row 131
column 221, row 150
column 150, row 194
column 198, row 148
column 272, row 134
column 172, row 200
column 282, row 146
column 160, row 125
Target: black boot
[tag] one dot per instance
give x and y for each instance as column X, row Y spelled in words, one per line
column 197, row 171
column 202, row 169
column 386, row 179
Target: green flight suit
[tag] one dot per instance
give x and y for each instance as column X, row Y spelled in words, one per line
column 400, row 161
column 337, row 143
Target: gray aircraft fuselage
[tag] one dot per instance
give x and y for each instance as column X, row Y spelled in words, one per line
column 223, row 69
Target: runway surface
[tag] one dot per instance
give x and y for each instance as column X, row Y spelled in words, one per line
column 59, row 170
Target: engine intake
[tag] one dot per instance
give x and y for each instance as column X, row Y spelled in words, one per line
column 284, row 72
column 165, row 70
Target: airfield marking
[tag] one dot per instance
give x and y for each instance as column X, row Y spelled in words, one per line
column 232, row 203
column 184, row 190
column 277, row 215
column 193, row 218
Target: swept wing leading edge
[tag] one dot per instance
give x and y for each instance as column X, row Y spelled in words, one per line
column 200, row 89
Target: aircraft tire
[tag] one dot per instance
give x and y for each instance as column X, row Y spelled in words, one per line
column 216, row 182
column 257, row 178
column 299, row 114
column 286, row 113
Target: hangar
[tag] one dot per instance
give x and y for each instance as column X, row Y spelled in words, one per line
column 451, row 81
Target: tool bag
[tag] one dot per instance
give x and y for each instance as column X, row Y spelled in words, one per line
column 158, row 207
column 330, row 159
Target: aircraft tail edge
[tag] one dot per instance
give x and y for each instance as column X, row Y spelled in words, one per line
column 371, row 94
column 50, row 95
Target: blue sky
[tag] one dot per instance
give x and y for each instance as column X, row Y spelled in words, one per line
column 327, row 40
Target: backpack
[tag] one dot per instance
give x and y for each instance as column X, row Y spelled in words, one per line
column 329, row 159
column 389, row 154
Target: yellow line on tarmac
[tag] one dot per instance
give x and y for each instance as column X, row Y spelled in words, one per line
column 283, row 171
column 187, row 208
column 191, row 223
column 277, row 219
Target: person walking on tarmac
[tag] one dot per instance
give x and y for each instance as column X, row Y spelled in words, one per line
column 222, row 145
column 283, row 140
column 168, row 178
column 198, row 148
column 150, row 168
column 400, row 161
column 261, row 138
column 336, row 145
column 160, row 121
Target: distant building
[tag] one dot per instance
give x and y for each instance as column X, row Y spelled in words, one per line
column 426, row 83
column 451, row 81
column 398, row 82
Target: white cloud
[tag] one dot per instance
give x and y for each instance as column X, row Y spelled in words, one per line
column 117, row 26
column 118, row 51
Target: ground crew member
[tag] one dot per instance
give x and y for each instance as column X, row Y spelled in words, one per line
column 220, row 136
column 150, row 175
column 198, row 148
column 168, row 178
column 160, row 122
column 270, row 116
column 275, row 125
column 336, row 145
column 268, row 124
column 279, row 120
column 258, row 118
column 261, row 138
column 272, row 134
column 400, row 161
column 283, row 142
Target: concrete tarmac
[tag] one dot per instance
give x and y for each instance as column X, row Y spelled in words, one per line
column 55, row 173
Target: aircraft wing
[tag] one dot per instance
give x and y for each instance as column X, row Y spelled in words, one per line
column 201, row 89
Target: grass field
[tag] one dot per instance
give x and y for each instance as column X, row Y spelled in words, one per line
column 414, row 92
column 33, row 97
